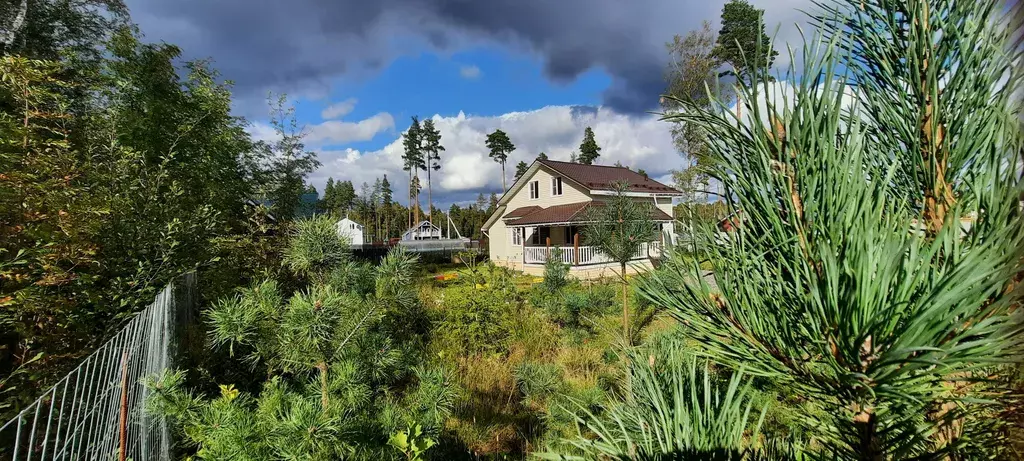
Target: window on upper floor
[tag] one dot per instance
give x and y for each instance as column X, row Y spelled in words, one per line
column 556, row 185
column 534, row 190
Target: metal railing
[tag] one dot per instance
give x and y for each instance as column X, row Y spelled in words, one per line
column 586, row 254
column 97, row 410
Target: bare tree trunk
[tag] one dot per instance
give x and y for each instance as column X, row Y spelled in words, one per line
column 503, row 186
column 430, row 200
column 625, row 308
column 409, row 214
column 417, row 212
column 322, row 366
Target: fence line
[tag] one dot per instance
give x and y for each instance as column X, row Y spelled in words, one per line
column 99, row 406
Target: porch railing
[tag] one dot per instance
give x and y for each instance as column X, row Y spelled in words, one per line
column 586, row 255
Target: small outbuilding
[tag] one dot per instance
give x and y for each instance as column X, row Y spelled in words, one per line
column 351, row 230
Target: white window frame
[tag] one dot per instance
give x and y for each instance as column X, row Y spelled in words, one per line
column 517, row 237
column 534, row 190
column 556, row 186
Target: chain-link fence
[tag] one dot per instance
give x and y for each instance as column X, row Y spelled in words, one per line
column 97, row 411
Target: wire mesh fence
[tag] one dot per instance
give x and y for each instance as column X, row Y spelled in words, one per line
column 96, row 412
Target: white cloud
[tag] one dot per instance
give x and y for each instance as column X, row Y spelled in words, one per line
column 470, row 72
column 339, row 132
column 338, row 109
column 638, row 142
column 261, row 131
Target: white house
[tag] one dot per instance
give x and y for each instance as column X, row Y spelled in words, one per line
column 425, row 230
column 351, row 230
column 546, row 207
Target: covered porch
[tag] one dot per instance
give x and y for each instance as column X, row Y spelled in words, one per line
column 541, row 241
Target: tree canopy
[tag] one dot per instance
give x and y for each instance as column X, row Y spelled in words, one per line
column 500, row 147
column 589, row 150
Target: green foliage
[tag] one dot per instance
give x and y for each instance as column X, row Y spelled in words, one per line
column 119, row 174
column 538, row 380
column 411, row 443
column 500, row 146
column 316, row 248
column 339, row 370
column 851, row 282
column 521, row 168
column 289, row 160
column 556, row 273
column 674, row 412
column 589, row 150
column 471, row 321
column 742, row 41
column 619, row 225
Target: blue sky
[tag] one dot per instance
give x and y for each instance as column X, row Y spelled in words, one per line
column 484, row 81
column 542, row 71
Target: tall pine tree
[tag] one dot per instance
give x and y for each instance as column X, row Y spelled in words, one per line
column 412, row 161
column 432, row 148
column 500, row 147
column 385, row 200
column 743, row 44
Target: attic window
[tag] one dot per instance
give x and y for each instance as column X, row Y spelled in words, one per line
column 556, row 185
column 534, row 189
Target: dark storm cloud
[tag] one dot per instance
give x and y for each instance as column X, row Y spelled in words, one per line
column 299, row 45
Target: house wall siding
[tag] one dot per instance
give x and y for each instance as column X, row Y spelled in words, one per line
column 571, row 193
column 500, row 243
column 500, row 246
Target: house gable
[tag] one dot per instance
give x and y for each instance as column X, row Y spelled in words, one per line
column 519, row 195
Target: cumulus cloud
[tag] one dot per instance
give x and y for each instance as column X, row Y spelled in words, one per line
column 339, row 109
column 299, row 46
column 636, row 141
column 469, row 72
column 339, row 132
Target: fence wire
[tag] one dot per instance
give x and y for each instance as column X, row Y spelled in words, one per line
column 96, row 412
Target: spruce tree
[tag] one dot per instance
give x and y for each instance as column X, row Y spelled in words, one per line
column 589, row 150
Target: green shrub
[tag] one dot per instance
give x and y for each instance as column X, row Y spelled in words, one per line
column 470, row 320
column 538, row 381
column 556, row 273
column 315, row 248
column 354, row 277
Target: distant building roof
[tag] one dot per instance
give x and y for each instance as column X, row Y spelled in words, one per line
column 602, row 177
column 568, row 213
